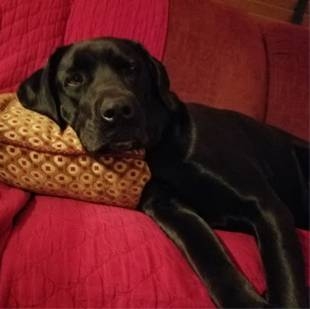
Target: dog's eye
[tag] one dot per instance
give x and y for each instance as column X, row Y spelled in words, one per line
column 75, row 79
column 131, row 67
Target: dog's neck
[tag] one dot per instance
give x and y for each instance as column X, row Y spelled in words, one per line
column 175, row 140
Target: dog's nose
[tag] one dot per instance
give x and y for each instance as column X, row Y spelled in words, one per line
column 116, row 109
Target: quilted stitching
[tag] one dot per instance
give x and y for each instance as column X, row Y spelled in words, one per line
column 81, row 255
column 78, row 254
column 30, row 30
column 142, row 20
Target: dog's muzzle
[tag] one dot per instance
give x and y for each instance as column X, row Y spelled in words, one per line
column 120, row 109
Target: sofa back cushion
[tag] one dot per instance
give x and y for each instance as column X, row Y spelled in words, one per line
column 215, row 55
column 31, row 30
column 288, row 75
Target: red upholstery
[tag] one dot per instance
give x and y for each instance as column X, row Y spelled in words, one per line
column 288, row 75
column 64, row 253
column 216, row 55
column 29, row 33
column 31, row 30
column 145, row 21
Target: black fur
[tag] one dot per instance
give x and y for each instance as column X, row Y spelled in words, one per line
column 210, row 168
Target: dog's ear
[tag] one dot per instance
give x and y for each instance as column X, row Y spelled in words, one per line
column 161, row 78
column 39, row 93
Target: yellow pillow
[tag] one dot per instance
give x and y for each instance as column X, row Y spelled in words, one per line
column 35, row 155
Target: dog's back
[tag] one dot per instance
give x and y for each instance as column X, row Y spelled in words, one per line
column 232, row 145
column 239, row 151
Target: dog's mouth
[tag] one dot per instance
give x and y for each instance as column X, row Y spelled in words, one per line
column 120, row 146
column 113, row 145
column 116, row 148
column 100, row 142
column 124, row 145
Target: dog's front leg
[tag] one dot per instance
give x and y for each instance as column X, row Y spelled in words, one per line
column 202, row 248
column 281, row 254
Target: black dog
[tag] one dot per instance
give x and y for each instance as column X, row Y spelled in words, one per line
column 210, row 168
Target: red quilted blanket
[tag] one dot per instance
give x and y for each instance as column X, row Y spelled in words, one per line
column 64, row 253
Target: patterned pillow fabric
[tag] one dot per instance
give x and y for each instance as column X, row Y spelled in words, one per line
column 37, row 156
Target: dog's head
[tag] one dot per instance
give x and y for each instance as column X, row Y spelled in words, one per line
column 111, row 91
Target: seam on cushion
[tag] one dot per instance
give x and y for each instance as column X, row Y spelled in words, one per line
column 264, row 103
column 67, row 20
column 168, row 19
column 24, row 147
column 75, row 153
column 165, row 29
column 68, row 153
column 265, row 109
column 286, row 46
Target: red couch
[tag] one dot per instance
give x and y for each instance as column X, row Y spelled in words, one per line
column 65, row 253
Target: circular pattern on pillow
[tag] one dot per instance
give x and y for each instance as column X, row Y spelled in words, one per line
column 36, row 155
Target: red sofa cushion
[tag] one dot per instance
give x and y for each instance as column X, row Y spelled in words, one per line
column 288, row 75
column 74, row 254
column 142, row 20
column 31, row 30
column 65, row 253
column 215, row 55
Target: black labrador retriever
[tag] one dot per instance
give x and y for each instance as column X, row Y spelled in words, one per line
column 210, row 168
